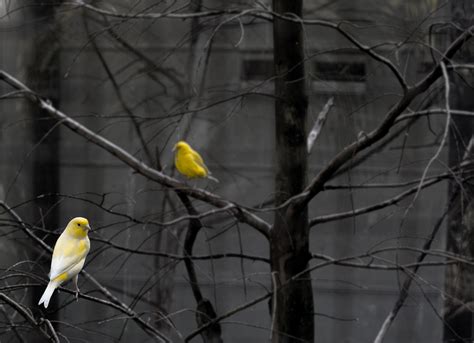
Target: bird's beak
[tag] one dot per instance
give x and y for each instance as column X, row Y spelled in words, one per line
column 174, row 148
column 88, row 227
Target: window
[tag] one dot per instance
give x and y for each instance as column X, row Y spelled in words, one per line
column 339, row 74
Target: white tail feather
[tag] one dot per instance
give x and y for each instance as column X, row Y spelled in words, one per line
column 48, row 292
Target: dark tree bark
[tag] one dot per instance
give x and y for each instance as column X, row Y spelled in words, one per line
column 292, row 309
column 205, row 312
column 458, row 315
column 43, row 73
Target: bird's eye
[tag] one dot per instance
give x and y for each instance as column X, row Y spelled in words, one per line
column 78, row 224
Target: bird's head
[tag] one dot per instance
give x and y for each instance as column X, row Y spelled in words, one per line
column 181, row 145
column 78, row 227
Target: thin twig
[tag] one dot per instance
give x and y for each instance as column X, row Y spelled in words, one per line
column 274, row 302
column 28, row 316
column 357, row 212
column 406, row 285
column 443, row 140
column 53, row 332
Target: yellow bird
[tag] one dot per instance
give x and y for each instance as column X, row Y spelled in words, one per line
column 190, row 163
column 69, row 255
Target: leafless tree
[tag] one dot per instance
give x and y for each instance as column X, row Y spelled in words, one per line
column 148, row 216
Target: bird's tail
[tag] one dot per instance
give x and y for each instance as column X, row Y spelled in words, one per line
column 213, row 178
column 48, row 292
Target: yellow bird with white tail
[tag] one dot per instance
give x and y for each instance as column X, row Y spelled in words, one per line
column 69, row 255
column 189, row 163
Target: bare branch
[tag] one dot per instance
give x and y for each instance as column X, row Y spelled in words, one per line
column 147, row 327
column 406, row 285
column 154, row 16
column 275, row 282
column 29, row 317
column 445, row 134
column 227, row 314
column 317, row 184
column 53, row 332
column 140, row 167
column 119, row 94
column 433, row 111
column 257, row 13
column 395, row 184
column 205, row 312
column 331, row 261
column 357, row 212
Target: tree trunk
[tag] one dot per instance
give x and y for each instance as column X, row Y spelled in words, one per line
column 458, row 316
column 292, row 303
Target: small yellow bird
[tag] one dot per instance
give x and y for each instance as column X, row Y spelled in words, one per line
column 69, row 255
column 190, row 163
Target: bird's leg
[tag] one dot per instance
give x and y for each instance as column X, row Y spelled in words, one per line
column 76, row 286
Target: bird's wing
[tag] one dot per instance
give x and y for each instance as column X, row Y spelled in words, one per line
column 67, row 253
column 198, row 159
